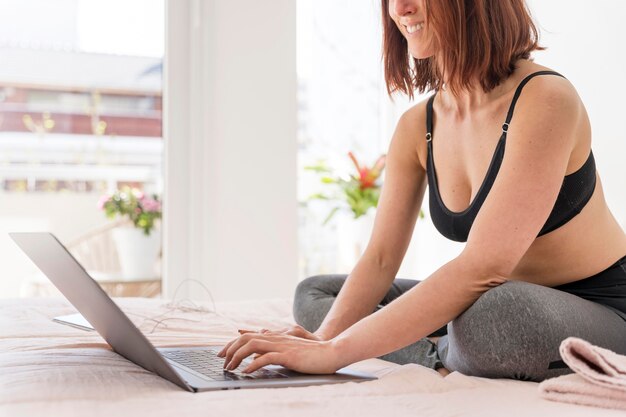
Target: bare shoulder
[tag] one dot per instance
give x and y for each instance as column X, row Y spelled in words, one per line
column 549, row 91
column 410, row 134
column 549, row 102
column 549, row 118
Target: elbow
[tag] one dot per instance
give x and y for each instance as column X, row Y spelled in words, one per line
column 382, row 260
column 491, row 281
column 483, row 275
column 483, row 282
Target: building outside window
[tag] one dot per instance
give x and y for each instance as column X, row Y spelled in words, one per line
column 80, row 115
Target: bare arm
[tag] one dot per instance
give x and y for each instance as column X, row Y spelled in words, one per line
column 399, row 205
column 539, row 145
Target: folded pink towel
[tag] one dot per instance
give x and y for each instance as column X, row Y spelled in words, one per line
column 599, row 378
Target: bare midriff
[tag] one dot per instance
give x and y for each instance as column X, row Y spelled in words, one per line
column 587, row 244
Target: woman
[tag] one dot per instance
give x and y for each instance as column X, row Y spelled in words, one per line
column 505, row 147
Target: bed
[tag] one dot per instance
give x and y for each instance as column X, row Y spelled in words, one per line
column 51, row 369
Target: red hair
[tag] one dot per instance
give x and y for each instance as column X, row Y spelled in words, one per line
column 474, row 40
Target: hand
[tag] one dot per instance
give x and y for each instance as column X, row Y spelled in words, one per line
column 296, row 331
column 295, row 353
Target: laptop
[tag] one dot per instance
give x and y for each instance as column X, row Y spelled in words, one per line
column 193, row 369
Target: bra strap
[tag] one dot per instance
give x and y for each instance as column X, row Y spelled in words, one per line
column 518, row 91
column 429, row 118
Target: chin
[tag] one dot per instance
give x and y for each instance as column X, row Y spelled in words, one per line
column 420, row 54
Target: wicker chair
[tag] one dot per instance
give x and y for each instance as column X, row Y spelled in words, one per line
column 96, row 251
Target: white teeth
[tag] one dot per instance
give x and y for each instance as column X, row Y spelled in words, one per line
column 414, row 28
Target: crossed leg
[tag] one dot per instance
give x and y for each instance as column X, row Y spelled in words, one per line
column 512, row 331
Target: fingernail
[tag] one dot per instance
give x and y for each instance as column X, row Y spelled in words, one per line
column 246, row 371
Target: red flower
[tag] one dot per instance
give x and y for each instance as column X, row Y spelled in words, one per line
column 368, row 176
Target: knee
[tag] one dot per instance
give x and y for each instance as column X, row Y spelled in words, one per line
column 493, row 336
column 307, row 310
column 506, row 310
column 307, row 287
column 491, row 308
column 472, row 333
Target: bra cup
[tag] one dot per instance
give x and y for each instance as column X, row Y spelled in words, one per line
column 576, row 190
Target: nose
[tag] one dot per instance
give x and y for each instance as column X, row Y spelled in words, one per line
column 404, row 7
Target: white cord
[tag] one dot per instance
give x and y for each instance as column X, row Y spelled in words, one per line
column 184, row 305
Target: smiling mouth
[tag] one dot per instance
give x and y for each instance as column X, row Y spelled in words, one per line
column 414, row 28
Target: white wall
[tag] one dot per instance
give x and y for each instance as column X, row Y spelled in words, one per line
column 230, row 130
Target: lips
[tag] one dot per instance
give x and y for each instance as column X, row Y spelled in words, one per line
column 414, row 27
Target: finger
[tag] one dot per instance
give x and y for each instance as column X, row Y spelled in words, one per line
column 267, row 331
column 222, row 352
column 280, row 341
column 239, row 342
column 301, row 332
column 243, row 339
column 253, row 346
column 279, row 331
column 232, row 347
column 270, row 358
column 297, row 331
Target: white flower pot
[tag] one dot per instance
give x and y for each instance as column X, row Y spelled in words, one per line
column 137, row 252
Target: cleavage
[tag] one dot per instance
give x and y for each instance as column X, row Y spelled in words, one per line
column 461, row 164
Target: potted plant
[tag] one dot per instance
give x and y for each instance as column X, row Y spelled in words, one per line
column 139, row 243
column 357, row 194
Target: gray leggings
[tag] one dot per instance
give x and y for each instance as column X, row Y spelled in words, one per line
column 512, row 331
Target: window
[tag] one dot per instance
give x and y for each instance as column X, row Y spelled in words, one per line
column 341, row 106
column 80, row 113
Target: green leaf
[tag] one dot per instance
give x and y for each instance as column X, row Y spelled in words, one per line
column 318, row 196
column 330, row 216
column 318, row 168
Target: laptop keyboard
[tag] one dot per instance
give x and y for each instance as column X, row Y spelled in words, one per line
column 207, row 363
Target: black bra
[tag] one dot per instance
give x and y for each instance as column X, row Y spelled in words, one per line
column 576, row 190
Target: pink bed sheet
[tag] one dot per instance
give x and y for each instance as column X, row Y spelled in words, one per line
column 49, row 369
